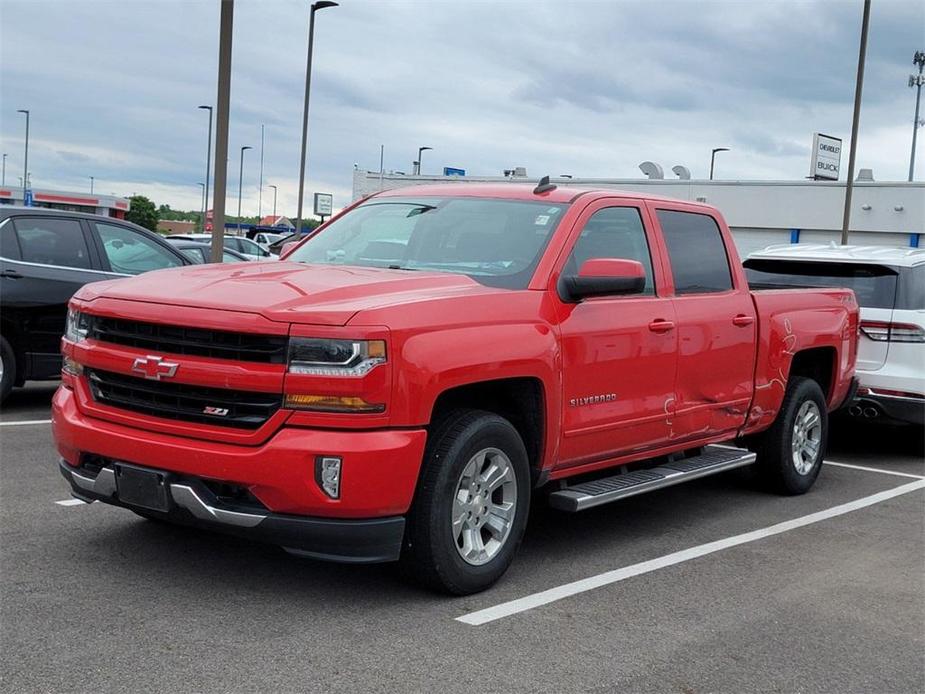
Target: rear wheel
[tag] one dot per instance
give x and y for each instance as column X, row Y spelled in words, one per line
column 7, row 368
column 471, row 505
column 790, row 453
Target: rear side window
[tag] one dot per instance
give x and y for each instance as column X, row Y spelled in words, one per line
column 50, row 241
column 9, row 246
column 696, row 251
column 874, row 285
column 910, row 294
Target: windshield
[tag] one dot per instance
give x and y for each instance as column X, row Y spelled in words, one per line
column 496, row 242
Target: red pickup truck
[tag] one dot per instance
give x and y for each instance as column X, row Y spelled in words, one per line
column 403, row 383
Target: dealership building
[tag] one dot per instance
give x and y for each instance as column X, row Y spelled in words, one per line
column 106, row 205
column 760, row 213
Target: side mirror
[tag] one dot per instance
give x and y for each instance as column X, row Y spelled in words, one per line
column 603, row 277
column 288, row 246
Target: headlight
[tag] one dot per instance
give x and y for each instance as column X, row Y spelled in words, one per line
column 317, row 356
column 77, row 325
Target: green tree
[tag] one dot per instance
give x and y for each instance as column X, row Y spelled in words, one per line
column 142, row 212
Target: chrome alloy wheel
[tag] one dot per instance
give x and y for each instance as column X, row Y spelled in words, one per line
column 806, row 440
column 484, row 506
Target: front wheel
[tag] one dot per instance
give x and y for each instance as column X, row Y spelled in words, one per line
column 471, row 505
column 7, row 368
column 790, row 453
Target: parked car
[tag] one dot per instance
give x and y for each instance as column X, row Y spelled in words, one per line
column 266, row 238
column 399, row 384
column 47, row 255
column 890, row 287
column 202, row 252
column 245, row 246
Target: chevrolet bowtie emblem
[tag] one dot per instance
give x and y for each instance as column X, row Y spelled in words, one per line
column 154, row 368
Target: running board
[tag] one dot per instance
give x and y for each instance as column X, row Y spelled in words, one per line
column 585, row 495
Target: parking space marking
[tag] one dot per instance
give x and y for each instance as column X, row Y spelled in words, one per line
column 25, row 422
column 545, row 597
column 875, row 469
column 71, row 502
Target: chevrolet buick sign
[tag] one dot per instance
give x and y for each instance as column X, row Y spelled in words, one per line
column 826, row 157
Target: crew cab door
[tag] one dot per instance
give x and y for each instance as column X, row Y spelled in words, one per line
column 45, row 259
column 618, row 352
column 717, row 323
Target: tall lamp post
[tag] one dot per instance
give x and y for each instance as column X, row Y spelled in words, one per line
column 91, row 185
column 3, row 182
column 916, row 81
column 417, row 164
column 202, row 206
column 855, row 121
column 208, row 162
column 25, row 168
column 274, row 201
column 713, row 158
column 240, row 184
column 319, row 5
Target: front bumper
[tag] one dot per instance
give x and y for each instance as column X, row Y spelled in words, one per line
column 192, row 503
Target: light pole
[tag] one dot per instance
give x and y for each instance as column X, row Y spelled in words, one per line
column 260, row 190
column 208, row 162
column 855, row 121
column 319, row 5
column 202, row 206
column 417, row 164
column 916, row 81
column 240, row 184
column 3, row 182
column 25, row 167
column 91, row 185
column 274, row 201
column 713, row 158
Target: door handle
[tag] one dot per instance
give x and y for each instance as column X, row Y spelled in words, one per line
column 661, row 326
column 742, row 320
column 11, row 274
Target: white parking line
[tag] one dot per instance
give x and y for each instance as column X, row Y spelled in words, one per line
column 71, row 502
column 24, row 422
column 545, row 597
column 875, row 469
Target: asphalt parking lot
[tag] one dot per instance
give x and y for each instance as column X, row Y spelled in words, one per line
column 706, row 587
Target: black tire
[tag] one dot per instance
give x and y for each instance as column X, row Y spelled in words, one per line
column 431, row 554
column 8, row 358
column 777, row 465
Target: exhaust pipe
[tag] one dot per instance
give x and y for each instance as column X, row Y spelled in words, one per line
column 855, row 411
column 871, row 412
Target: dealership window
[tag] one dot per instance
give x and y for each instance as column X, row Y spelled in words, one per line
column 696, row 251
column 51, row 241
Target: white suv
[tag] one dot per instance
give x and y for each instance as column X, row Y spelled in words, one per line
column 890, row 287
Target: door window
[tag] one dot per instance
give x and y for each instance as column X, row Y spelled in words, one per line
column 194, row 254
column 9, row 246
column 696, row 251
column 131, row 253
column 613, row 232
column 229, row 258
column 52, row 241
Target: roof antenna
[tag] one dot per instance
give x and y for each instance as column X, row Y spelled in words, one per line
column 544, row 186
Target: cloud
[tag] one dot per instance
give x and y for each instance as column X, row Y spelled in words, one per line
column 586, row 88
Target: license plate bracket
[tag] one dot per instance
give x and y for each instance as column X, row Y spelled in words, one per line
column 146, row 489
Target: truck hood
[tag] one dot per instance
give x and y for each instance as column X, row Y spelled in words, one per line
column 285, row 291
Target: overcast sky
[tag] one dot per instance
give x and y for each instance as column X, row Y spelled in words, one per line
column 582, row 88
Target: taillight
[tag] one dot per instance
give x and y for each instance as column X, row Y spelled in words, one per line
column 884, row 331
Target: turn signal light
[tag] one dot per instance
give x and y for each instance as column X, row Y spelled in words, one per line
column 331, row 403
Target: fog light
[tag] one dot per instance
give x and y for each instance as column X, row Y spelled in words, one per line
column 327, row 475
column 72, row 367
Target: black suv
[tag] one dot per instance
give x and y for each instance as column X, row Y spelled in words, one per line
column 46, row 256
